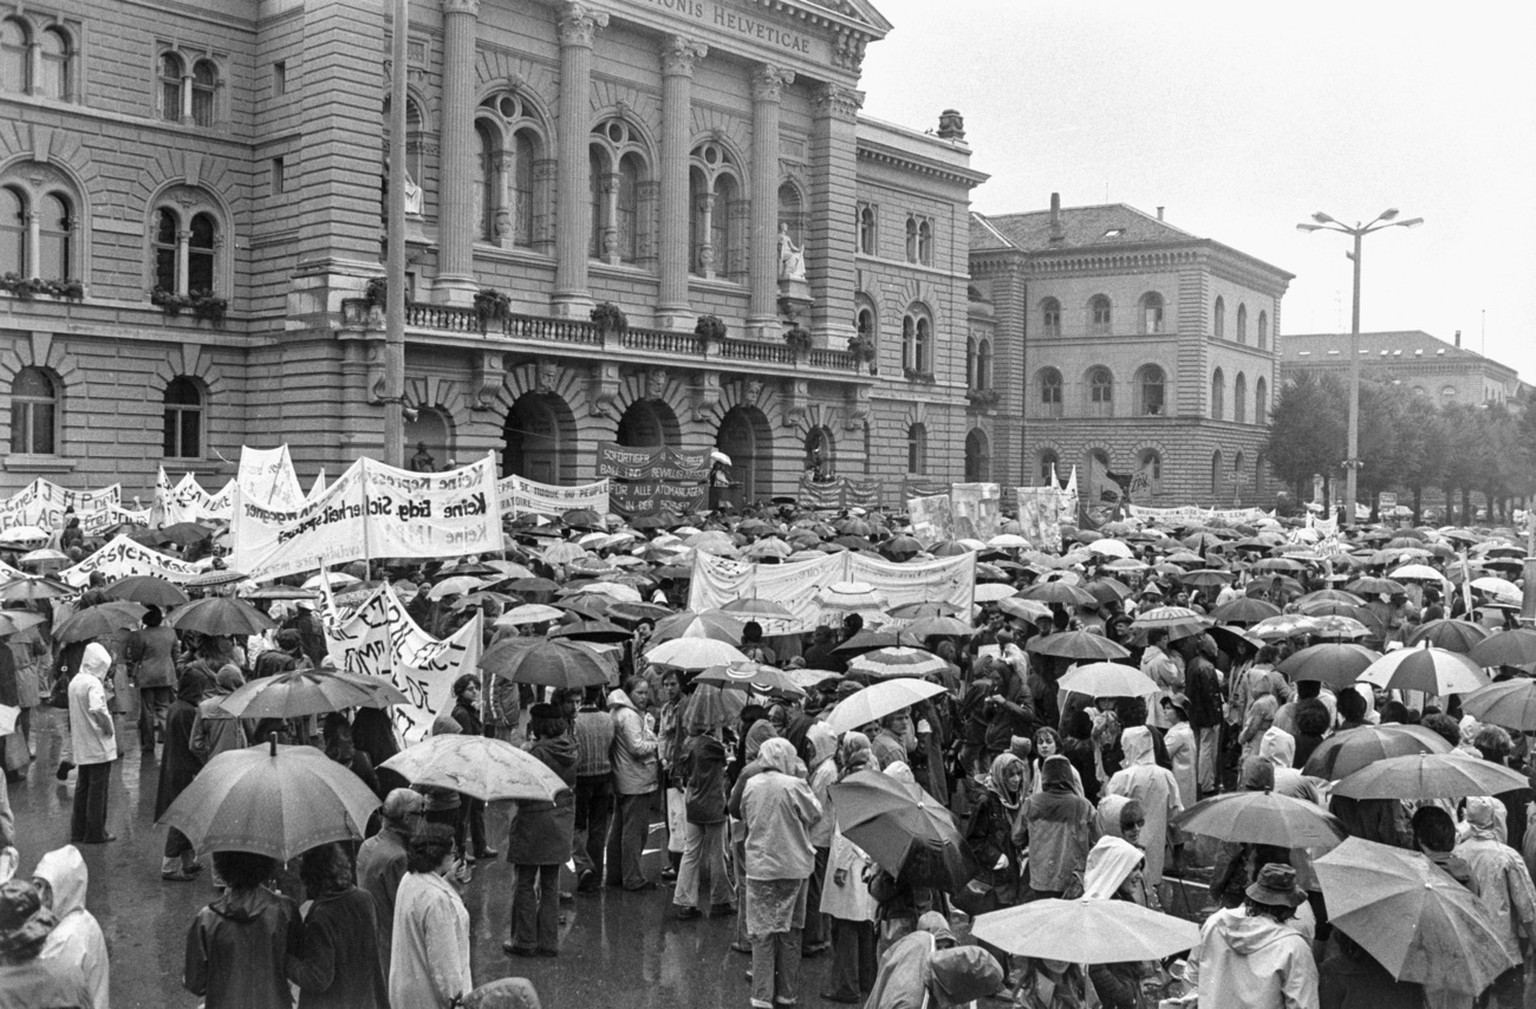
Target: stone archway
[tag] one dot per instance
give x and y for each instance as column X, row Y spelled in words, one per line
column 820, row 453
column 540, row 439
column 648, row 423
column 746, row 436
column 978, row 457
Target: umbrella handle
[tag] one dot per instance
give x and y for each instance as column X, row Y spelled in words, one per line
column 272, row 741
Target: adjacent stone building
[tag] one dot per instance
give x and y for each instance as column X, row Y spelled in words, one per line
column 191, row 236
column 1424, row 365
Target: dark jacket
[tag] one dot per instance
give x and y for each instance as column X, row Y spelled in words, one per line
column 178, row 764
column 340, row 967
column 238, row 948
column 380, row 868
column 1204, row 691
column 1117, row 984
column 703, row 765
column 468, row 719
column 541, row 831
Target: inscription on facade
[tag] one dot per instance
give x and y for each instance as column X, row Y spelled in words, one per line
column 737, row 22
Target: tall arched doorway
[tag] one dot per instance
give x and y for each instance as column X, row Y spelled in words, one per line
column 978, row 457
column 540, row 437
column 648, row 423
column 820, row 453
column 747, row 438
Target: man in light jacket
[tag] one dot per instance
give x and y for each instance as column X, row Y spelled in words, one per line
column 94, row 740
column 635, row 780
column 1252, row 956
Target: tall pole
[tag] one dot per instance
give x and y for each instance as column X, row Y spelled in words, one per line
column 1352, row 451
column 394, row 249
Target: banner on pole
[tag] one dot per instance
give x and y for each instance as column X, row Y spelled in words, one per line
column 42, row 503
column 839, row 492
column 266, row 478
column 519, row 496
column 931, row 518
column 123, row 557
column 977, row 510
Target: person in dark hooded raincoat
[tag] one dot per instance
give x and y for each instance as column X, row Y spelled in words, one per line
column 541, row 839
column 178, row 766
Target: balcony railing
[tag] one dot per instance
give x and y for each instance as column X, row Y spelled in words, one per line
column 757, row 350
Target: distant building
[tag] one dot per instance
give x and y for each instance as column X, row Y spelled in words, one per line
column 1423, row 364
column 1131, row 340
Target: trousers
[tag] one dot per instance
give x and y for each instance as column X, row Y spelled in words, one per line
column 88, row 822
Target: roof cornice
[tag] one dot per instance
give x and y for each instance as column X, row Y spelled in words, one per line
column 884, row 155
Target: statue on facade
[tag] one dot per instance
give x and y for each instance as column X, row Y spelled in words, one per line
column 412, row 196
column 791, row 257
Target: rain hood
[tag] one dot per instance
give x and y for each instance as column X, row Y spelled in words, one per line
column 65, row 871
column 1278, row 747
column 1248, row 935
column 244, row 905
column 1136, row 742
column 97, row 660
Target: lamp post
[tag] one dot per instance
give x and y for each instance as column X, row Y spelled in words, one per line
column 394, row 247
column 1386, row 219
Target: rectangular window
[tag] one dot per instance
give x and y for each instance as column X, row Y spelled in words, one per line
column 279, row 177
column 280, row 78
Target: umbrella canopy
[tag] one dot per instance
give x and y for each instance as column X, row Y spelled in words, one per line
column 1507, row 648
column 592, row 630
column 309, row 692
column 1244, row 610
column 928, row 608
column 1287, row 625
column 636, row 612
column 847, row 597
column 458, row 585
column 753, row 677
column 481, row 767
column 1432, row 670
column 1511, row 704
column 1086, row 931
column 99, row 621
column 711, row 707
column 688, row 624
column 757, row 609
column 883, row 663
column 12, row 621
column 563, row 553
column 28, row 589
column 1080, row 646
column 546, row 662
column 1418, row 922
column 1329, row 596
column 277, row 801
column 1058, row 591
column 869, row 639
column 893, row 821
column 220, row 616
column 1181, row 621
column 529, row 613
column 695, row 653
column 1452, row 635
column 1262, row 818
column 1430, row 776
column 876, row 701
column 944, row 627
column 182, row 534
column 1344, row 753
column 1375, row 587
column 147, row 589
column 1337, row 664
column 1206, row 578
column 21, row 536
column 1107, row 679
column 1025, row 609
column 1417, row 573
column 993, row 592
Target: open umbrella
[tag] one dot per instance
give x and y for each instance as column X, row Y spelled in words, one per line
column 877, row 700
column 1344, row 753
column 869, row 639
column 1107, row 679
column 1430, row 776
column 545, row 662
column 711, row 706
column 943, row 627
column 12, row 621
column 278, row 801
column 1085, row 931
column 883, row 663
column 1287, row 625
column 1025, row 609
column 44, row 555
column 458, row 585
column 999, row 592
column 1375, row 587
column 183, row 534
column 688, row 624
column 592, row 630
column 1417, row 573
column 1262, row 818
column 28, row 588
column 481, row 767
column 220, row 616
column 146, row 589
column 309, row 692
column 895, row 822
column 849, row 597
column 695, row 653
column 1417, row 921
column 1452, row 635
column 1432, row 670
column 1511, row 703
column 217, row 578
column 927, row 608
column 1080, row 646
column 1338, row 664
column 1058, row 591
column 529, row 613
column 1205, row 578
column 1244, row 610
column 1507, row 648
column 1180, row 621
column 753, row 677
column 757, row 609
column 99, row 621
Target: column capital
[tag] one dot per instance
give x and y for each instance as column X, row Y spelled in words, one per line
column 470, row 7
column 768, row 82
column 678, row 55
column 838, row 102
column 579, row 24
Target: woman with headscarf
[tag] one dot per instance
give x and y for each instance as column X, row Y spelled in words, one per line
column 822, row 745
column 779, row 809
column 178, row 766
column 541, row 839
column 1157, row 791
column 845, row 897
column 1114, row 872
column 996, row 826
column 1061, row 828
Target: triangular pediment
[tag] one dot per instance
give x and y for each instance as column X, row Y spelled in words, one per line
column 860, row 11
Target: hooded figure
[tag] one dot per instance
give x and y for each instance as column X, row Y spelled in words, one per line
column 214, row 730
column 1110, row 864
column 27, row 979
column 845, row 895
column 1157, row 791
column 995, row 827
column 77, row 938
column 1503, row 881
column 1061, row 827
column 635, row 777
column 94, row 742
column 178, row 766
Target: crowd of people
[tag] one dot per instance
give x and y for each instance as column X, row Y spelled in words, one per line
column 1056, row 794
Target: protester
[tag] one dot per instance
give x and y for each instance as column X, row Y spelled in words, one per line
column 339, row 964
column 592, row 729
column 1504, row 886
column 28, row 980
column 541, row 841
column 150, row 654
column 214, row 730
column 62, row 879
column 635, row 780
column 1155, row 789
column 429, row 949
column 382, row 858
column 238, row 946
column 1059, row 824
column 466, row 711
column 845, row 898
column 702, row 767
column 94, row 741
column 1250, row 956
column 178, row 767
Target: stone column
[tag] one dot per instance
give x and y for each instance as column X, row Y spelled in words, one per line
column 578, row 24
column 763, row 251
column 456, row 224
column 830, row 234
column 678, row 56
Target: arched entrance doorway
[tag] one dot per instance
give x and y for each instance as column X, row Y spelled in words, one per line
column 747, row 438
column 978, row 457
column 648, row 423
column 820, row 453
column 540, row 439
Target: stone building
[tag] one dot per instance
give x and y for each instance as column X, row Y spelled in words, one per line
column 1427, row 366
column 204, row 184
column 1126, row 338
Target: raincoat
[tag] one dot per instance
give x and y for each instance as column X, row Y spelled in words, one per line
column 429, row 957
column 1061, row 826
column 541, row 831
column 178, row 764
column 1256, row 963
column 1279, row 748
column 237, row 949
column 214, row 730
column 1180, row 742
column 77, row 938
column 850, row 899
column 633, row 752
column 340, row 968
column 1155, row 788
column 996, row 826
column 1503, row 881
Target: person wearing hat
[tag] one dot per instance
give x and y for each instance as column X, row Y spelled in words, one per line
column 28, row 979
column 94, row 741
column 1252, row 956
column 381, row 859
column 541, row 839
column 1180, row 741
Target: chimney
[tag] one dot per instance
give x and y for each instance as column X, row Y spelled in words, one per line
column 951, row 125
column 1057, row 234
column 1458, row 339
column 1159, row 213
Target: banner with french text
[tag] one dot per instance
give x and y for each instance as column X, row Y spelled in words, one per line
column 521, row 496
column 42, row 503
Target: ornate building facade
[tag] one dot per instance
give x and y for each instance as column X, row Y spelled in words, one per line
column 191, row 229
column 1425, row 365
column 1133, row 342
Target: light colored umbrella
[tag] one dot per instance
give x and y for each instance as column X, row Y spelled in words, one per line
column 695, row 653
column 18, row 536
column 994, row 592
column 336, row 580
column 1179, row 621
column 563, row 553
column 1085, row 930
column 1287, row 625
column 1008, row 541
column 1344, row 753
column 927, row 627
column 1511, row 704
column 715, row 624
column 756, row 609
column 1024, row 609
column 752, row 677
column 1417, row 573
column 883, row 663
column 1262, row 818
column 528, row 613
column 1432, row 670
column 309, row 692
column 849, row 597
column 1417, row 921
column 1507, row 648
column 806, row 679
column 28, row 588
column 458, row 585
column 12, row 621
column 481, row 767
column 45, row 555
column 1337, row 664
column 1107, row 679
column 1497, row 586
column 768, row 546
column 614, row 590
column 1430, row 776
column 877, row 700
column 278, row 801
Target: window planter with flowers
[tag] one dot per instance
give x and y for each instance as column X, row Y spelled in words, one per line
column 25, row 289
column 609, row 317
column 204, row 305
column 491, row 306
column 799, row 340
column 710, row 329
column 984, row 399
column 915, row 375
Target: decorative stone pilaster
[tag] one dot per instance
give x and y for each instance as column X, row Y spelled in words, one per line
column 603, row 387
column 456, row 224
column 762, row 308
column 578, row 26
column 490, row 372
column 704, row 394
column 678, row 56
column 796, row 397
column 830, row 269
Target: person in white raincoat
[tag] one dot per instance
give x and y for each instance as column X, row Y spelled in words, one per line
column 1180, row 741
column 61, row 875
column 846, row 899
column 1140, row 778
column 1251, row 956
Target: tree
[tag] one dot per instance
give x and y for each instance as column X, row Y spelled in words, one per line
column 1307, row 429
column 1422, row 441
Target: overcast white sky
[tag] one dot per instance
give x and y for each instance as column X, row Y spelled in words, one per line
column 1244, row 119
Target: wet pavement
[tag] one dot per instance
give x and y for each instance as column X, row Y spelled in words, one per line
column 617, row 948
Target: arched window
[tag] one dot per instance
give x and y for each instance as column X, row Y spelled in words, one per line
column 978, row 456
column 1242, row 323
column 1240, row 398
column 917, row 448
column 434, row 429
column 1050, row 317
column 908, row 342
column 13, row 231
column 867, row 229
column 865, row 322
column 54, row 228
column 205, row 80
column 15, row 43
column 1152, row 312
column 1263, row 330
column 1151, row 463
column 525, row 148
column 1101, row 392
column 1050, row 392
column 1151, row 391
column 54, row 72
column 38, row 218
column 1100, row 317
column 911, row 239
column 183, row 419
column 618, row 174
column 172, row 72
column 1219, row 318
column 34, row 413
column 1261, row 401
column 165, row 251
column 1049, row 461
column 925, row 242
column 970, row 363
column 716, row 213
column 1237, row 473
column 200, row 255
column 485, row 182
column 515, row 195
column 186, row 252
column 1216, row 472
column 627, row 207
column 1218, row 395
column 917, row 341
column 1448, row 394
column 984, row 364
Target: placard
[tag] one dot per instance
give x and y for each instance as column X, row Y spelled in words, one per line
column 976, row 510
column 123, row 557
column 520, row 495
column 42, row 503
column 932, row 521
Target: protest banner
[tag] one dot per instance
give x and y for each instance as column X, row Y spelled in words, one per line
column 123, row 557
column 43, row 503
column 642, row 497
column 654, row 478
column 380, row 639
column 838, row 493
column 1039, row 517
column 520, row 496
column 1067, row 501
column 931, row 519
column 266, row 478
column 719, row 580
column 977, row 510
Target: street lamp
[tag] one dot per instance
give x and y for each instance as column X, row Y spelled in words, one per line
column 1386, row 219
column 394, row 246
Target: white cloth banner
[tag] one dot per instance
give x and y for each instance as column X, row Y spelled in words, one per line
column 520, row 495
column 380, row 639
column 719, row 580
column 123, row 557
column 976, row 509
column 1149, row 514
column 931, row 518
column 1040, row 517
column 266, row 477
column 42, row 503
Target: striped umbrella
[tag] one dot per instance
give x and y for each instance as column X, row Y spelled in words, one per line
column 884, row 663
column 1432, row 670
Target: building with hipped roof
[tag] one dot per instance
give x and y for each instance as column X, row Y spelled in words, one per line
column 1425, row 365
